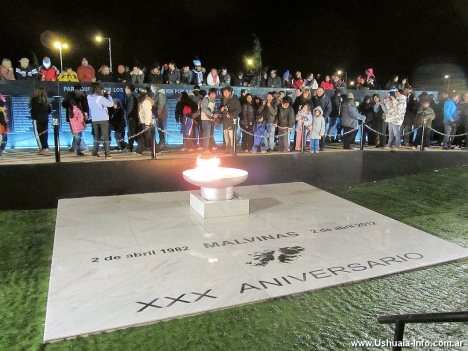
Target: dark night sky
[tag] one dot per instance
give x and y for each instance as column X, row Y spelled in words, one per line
column 421, row 39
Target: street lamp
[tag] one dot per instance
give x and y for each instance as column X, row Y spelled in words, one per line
column 60, row 46
column 99, row 39
column 250, row 62
column 345, row 77
column 448, row 82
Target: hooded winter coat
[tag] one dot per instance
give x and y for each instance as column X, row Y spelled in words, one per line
column 317, row 124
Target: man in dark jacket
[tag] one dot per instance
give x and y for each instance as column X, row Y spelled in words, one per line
column 173, row 74
column 274, row 81
column 320, row 99
column 269, row 109
column 186, row 76
column 285, row 121
column 131, row 113
column 230, row 109
column 25, row 71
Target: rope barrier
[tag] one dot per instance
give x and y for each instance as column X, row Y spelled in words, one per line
column 178, row 136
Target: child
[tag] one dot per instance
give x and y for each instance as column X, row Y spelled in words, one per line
column 259, row 135
column 302, row 118
column 317, row 129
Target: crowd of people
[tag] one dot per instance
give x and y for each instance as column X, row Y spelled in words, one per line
column 265, row 122
column 169, row 73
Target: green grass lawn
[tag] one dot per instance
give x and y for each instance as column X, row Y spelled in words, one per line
column 328, row 319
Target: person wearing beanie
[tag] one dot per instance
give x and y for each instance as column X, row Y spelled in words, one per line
column 198, row 76
column 285, row 122
column 48, row 72
column 274, row 81
column 349, row 121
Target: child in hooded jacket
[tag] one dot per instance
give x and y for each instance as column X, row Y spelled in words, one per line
column 316, row 128
column 259, row 135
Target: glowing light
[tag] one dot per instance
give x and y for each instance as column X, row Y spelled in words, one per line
column 250, row 62
column 339, row 72
column 447, row 76
column 351, row 83
column 98, row 38
column 209, row 163
column 215, row 182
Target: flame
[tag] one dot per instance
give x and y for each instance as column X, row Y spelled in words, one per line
column 209, row 163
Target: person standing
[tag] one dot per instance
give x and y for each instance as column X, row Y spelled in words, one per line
column 424, row 116
column 349, row 121
column 230, row 110
column 208, row 115
column 285, row 122
column 40, row 110
column 248, row 117
column 117, row 124
column 380, row 124
column 76, row 98
column 322, row 100
column 3, row 124
column 160, row 113
column 396, row 106
column 317, row 129
column 131, row 114
column 269, row 109
column 450, row 120
column 99, row 100
column 184, row 111
column 145, row 104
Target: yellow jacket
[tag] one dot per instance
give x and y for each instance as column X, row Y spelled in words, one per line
column 68, row 77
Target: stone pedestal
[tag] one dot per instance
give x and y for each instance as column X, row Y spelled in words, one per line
column 219, row 208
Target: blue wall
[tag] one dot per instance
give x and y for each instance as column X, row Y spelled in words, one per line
column 18, row 94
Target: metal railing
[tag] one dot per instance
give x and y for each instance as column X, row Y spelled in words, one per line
column 401, row 319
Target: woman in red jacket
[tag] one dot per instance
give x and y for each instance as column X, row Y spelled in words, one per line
column 326, row 84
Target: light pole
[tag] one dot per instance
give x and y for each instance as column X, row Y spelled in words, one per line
column 99, row 39
column 345, row 77
column 60, row 46
column 448, row 83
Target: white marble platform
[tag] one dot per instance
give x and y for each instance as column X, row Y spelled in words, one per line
column 236, row 206
column 122, row 261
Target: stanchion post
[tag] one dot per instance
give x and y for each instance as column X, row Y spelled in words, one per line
column 56, row 139
column 361, row 147
column 153, row 139
column 234, row 136
column 421, row 147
